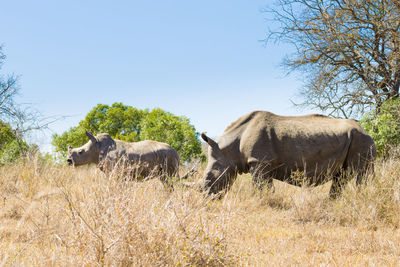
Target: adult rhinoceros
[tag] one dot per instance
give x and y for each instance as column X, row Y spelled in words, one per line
column 140, row 159
column 310, row 150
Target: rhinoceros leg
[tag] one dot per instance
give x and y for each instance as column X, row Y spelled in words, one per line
column 167, row 181
column 261, row 176
column 338, row 183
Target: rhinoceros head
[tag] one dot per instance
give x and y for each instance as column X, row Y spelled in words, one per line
column 220, row 170
column 91, row 151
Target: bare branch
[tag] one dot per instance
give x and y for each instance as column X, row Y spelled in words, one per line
column 349, row 51
column 21, row 118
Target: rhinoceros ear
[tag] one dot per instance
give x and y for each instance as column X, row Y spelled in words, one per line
column 91, row 137
column 209, row 141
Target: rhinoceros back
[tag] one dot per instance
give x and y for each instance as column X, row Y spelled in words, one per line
column 314, row 144
column 147, row 157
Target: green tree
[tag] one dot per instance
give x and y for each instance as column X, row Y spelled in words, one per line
column 74, row 137
column 384, row 127
column 10, row 146
column 176, row 131
column 130, row 124
column 6, row 134
column 120, row 121
column 348, row 51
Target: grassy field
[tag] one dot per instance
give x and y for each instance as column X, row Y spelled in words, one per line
column 57, row 215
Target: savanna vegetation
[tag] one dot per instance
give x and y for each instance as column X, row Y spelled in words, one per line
column 52, row 214
column 56, row 215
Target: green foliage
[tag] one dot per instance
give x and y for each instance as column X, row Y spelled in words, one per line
column 130, row 124
column 74, row 137
column 6, row 134
column 10, row 150
column 384, row 128
column 176, row 131
column 121, row 122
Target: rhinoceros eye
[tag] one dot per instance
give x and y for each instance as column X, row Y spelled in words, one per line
column 80, row 151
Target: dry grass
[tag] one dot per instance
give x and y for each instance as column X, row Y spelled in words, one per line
column 54, row 215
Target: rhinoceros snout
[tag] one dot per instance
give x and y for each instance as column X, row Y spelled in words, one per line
column 69, row 161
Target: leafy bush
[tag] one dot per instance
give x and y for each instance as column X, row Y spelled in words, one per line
column 10, row 150
column 384, row 127
column 176, row 131
column 130, row 124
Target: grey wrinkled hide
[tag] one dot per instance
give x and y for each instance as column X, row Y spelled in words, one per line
column 144, row 159
column 309, row 150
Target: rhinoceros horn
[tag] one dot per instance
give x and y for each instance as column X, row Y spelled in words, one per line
column 91, row 137
column 209, row 141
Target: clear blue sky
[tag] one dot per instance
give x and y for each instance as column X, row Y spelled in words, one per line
column 201, row 59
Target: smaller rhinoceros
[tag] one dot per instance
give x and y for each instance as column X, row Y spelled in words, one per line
column 140, row 160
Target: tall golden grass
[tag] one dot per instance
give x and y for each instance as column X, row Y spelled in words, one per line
column 56, row 215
